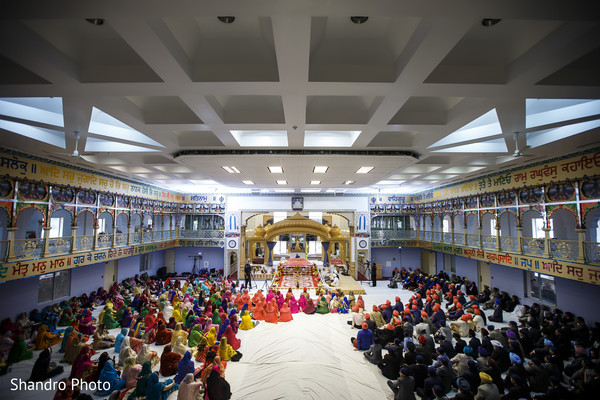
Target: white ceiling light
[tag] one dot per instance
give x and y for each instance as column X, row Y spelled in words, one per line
column 348, row 182
column 261, row 138
column 284, row 190
column 248, row 182
column 284, row 182
column 310, row 190
column 276, row 170
column 231, row 170
column 364, row 170
column 315, row 182
column 320, row 170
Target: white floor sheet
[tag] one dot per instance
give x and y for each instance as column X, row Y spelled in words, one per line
column 310, row 357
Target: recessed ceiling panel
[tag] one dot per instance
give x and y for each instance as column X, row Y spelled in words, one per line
column 392, row 139
column 198, row 139
column 99, row 145
column 261, row 138
column 425, row 111
column 482, row 127
column 13, row 73
column 484, row 54
column 581, row 72
column 330, row 138
column 46, row 110
column 103, row 124
column 342, row 51
column 490, row 146
column 541, row 112
column 165, row 110
column 242, row 51
column 101, row 53
column 540, row 138
column 249, row 109
column 339, row 109
column 55, row 138
column 460, row 170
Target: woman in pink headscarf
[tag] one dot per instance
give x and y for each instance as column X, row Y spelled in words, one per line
column 302, row 300
column 270, row 296
column 85, row 326
column 294, row 308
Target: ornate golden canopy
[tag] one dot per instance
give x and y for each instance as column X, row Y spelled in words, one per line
column 296, row 224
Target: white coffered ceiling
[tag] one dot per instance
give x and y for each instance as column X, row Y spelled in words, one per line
column 423, row 92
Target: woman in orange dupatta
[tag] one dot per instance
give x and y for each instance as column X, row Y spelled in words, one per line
column 258, row 313
column 285, row 315
column 272, row 312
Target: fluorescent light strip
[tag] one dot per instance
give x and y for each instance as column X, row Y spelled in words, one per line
column 231, row 170
column 276, row 170
column 320, row 169
column 282, row 182
column 248, row 182
column 349, row 182
column 310, row 190
column 364, row 170
column 315, row 182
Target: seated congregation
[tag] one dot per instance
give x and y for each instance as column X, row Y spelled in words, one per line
column 435, row 344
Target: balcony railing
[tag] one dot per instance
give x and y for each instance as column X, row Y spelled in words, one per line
column 60, row 245
column 533, row 246
column 472, row 240
column 592, row 252
column 509, row 243
column 488, row 242
column 557, row 248
column 564, row 249
column 34, row 248
column 28, row 248
column 84, row 243
column 213, row 234
column 105, row 241
column 447, row 237
column 4, row 249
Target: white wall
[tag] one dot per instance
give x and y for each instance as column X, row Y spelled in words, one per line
column 284, row 203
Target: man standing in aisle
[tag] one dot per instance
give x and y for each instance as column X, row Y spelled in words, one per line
column 248, row 275
column 374, row 273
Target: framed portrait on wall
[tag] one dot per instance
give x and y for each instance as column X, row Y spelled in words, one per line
column 297, row 203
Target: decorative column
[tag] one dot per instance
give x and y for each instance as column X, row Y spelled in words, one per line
column 95, row 246
column 114, row 237
column 546, row 242
column 497, row 227
column 452, row 232
column 326, row 253
column 142, row 233
column 177, row 231
column 46, row 250
column 581, row 247
column 465, row 235
column 129, row 235
column 11, row 243
column 519, row 240
column 271, row 246
column 479, row 244
column 73, row 239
